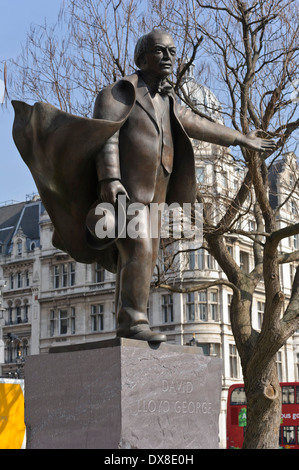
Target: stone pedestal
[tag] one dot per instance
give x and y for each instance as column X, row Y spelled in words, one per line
column 122, row 394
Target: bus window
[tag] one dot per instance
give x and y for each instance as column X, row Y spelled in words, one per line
column 288, row 395
column 288, row 435
column 238, row 396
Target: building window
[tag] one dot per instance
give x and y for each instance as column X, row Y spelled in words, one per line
column 289, row 435
column 213, row 305
column 230, row 249
column 25, row 347
column 167, row 308
column 190, row 306
column 191, row 259
column 233, row 361
column 52, row 323
column 97, row 317
column 205, row 260
column 19, row 280
column 200, row 175
column 19, row 247
column 292, row 273
column 64, row 275
column 9, row 352
column 210, row 349
column 56, row 277
column 99, row 273
column 26, row 310
column 260, row 314
column 63, row 322
column 288, row 395
column 18, row 314
column 73, row 321
column 202, row 305
column 210, row 261
column 229, row 302
column 201, row 259
column 72, row 267
column 26, row 279
column 279, row 365
column 293, row 207
column 244, row 261
column 10, row 320
column 11, row 281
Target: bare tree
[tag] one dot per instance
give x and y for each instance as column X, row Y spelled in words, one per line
column 247, row 52
column 67, row 63
column 252, row 49
column 91, row 45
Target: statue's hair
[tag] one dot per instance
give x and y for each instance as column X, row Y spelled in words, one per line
column 142, row 45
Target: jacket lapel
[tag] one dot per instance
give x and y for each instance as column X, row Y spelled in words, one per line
column 144, row 99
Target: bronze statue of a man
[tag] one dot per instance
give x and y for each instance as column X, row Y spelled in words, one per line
column 137, row 144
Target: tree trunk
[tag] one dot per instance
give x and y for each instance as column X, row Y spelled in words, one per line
column 260, row 376
column 263, row 409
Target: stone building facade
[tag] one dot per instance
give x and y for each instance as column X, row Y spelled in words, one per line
column 49, row 299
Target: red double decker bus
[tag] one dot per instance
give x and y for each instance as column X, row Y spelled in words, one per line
column 236, row 416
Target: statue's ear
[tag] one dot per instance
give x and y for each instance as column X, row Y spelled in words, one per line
column 142, row 60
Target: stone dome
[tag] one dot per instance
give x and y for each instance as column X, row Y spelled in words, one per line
column 202, row 97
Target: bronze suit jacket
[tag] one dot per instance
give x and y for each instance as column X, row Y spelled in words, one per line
column 133, row 153
column 63, row 153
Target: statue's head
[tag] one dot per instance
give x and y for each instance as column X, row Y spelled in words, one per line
column 155, row 53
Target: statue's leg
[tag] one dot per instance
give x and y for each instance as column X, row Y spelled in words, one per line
column 136, row 259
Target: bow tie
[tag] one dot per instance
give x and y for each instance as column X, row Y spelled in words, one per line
column 164, row 88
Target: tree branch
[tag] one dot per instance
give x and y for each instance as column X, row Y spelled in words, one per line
column 198, row 287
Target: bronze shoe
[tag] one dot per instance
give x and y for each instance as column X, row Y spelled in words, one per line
column 142, row 333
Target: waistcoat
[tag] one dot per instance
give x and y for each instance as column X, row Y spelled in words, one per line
column 162, row 109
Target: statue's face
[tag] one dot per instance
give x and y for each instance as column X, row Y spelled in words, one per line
column 159, row 59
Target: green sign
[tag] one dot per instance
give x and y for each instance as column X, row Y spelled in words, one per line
column 242, row 418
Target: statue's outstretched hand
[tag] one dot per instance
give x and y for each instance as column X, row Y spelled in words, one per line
column 253, row 142
column 110, row 189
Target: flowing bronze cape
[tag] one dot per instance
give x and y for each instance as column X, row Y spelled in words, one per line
column 60, row 150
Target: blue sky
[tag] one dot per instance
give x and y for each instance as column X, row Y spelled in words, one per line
column 16, row 16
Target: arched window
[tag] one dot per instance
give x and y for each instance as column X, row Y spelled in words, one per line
column 8, row 351
column 26, row 310
column 19, row 247
column 26, row 279
column 19, row 280
column 9, row 310
column 18, row 311
column 25, row 347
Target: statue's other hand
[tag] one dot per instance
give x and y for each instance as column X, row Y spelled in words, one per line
column 257, row 143
column 109, row 190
